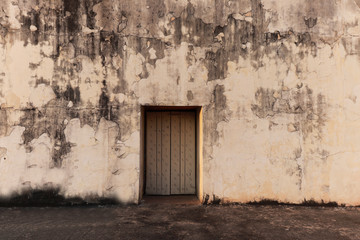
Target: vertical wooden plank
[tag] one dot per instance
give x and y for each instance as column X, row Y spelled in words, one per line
column 158, row 152
column 175, row 153
column 190, row 151
column 150, row 153
column 165, row 154
column 182, row 152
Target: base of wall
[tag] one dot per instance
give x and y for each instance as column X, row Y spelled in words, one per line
column 172, row 200
column 52, row 198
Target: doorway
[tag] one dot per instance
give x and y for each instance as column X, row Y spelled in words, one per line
column 171, row 151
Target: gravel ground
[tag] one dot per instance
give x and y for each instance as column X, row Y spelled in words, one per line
column 166, row 221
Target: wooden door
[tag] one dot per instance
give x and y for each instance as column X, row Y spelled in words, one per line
column 158, row 153
column 170, row 153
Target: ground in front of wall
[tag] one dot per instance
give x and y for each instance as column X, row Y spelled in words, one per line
column 154, row 220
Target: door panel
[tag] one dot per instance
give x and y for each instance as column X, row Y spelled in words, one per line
column 165, row 153
column 170, row 153
column 158, row 153
column 182, row 154
column 189, row 153
column 151, row 153
column 175, row 153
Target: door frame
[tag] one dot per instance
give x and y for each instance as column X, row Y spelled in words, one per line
column 199, row 144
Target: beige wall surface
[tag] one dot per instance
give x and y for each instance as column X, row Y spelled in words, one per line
column 277, row 80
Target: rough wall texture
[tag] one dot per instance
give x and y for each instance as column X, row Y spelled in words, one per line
column 278, row 82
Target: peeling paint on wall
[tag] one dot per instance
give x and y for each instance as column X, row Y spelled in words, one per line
column 277, row 80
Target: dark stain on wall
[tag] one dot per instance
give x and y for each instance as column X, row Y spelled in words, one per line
column 125, row 114
column 289, row 101
column 90, row 14
column 309, row 110
column 104, row 103
column 258, row 15
column 220, row 101
column 70, row 93
column 63, row 24
column 56, row 31
column 61, row 148
column 284, row 53
column 198, row 33
column 305, row 203
column 36, row 22
column 237, row 34
column 3, row 31
column 321, row 116
column 158, row 9
column 303, row 39
column 214, row 201
column 310, row 22
column 122, row 85
column 216, row 112
column 265, row 102
column 72, row 6
column 65, row 70
column 123, row 22
column 321, row 8
column 216, row 63
column 110, row 43
column 51, row 197
column 143, row 45
column 272, row 37
column 190, row 95
column 228, row 42
column 32, row 19
column 29, row 119
column 3, row 120
column 50, row 120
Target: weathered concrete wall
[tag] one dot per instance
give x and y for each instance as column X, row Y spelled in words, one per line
column 278, row 82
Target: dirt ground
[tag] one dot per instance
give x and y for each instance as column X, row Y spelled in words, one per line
column 174, row 221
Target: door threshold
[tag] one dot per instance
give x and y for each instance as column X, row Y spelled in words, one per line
column 172, row 199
